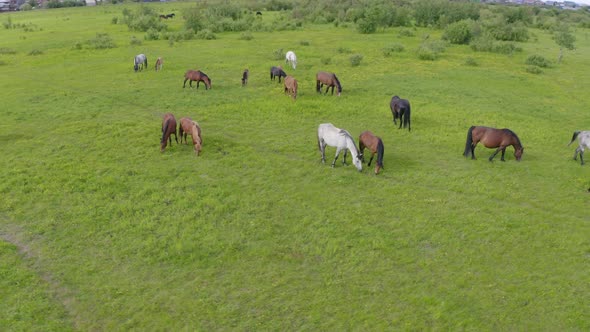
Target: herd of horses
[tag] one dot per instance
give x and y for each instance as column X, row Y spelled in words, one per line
column 341, row 139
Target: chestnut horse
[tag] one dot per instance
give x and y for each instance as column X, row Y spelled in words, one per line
column 400, row 108
column 199, row 76
column 245, row 77
column 168, row 128
column 291, row 86
column 277, row 72
column 159, row 63
column 375, row 144
column 329, row 79
column 492, row 138
column 190, row 127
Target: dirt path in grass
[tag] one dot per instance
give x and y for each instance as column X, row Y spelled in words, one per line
column 14, row 234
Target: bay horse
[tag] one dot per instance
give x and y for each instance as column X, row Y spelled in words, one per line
column 199, row 76
column 400, row 108
column 342, row 140
column 277, row 72
column 492, row 138
column 245, row 75
column 368, row 140
column 329, row 79
column 291, row 86
column 168, row 128
column 291, row 58
column 190, row 127
column 583, row 142
column 140, row 62
column 159, row 63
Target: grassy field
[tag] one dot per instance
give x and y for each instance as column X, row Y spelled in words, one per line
column 101, row 231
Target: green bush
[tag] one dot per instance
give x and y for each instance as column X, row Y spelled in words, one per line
column 35, row 52
column 471, row 62
column 152, row 34
column 205, row 34
column 246, row 36
column 102, row 41
column 366, row 26
column 393, row 48
column 278, row 54
column 25, row 7
column 355, row 59
column 304, row 43
column 405, row 33
column 487, row 44
column 458, row 32
column 135, row 41
column 6, row 50
column 344, row 50
column 538, row 60
column 115, row 20
column 431, row 50
column 326, row 60
column 143, row 19
column 533, row 70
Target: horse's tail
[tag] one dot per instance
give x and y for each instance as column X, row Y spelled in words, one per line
column 469, row 142
column 407, row 118
column 338, row 83
column 164, row 130
column 380, row 150
column 576, row 133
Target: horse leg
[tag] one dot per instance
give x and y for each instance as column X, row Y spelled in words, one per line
column 322, row 150
column 344, row 159
column 401, row 120
column 496, row 152
column 582, row 157
column 336, row 157
column 503, row 152
column 473, row 150
column 370, row 160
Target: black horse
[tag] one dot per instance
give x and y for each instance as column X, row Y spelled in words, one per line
column 277, row 72
column 400, row 108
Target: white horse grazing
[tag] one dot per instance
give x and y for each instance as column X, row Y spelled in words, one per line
column 584, row 142
column 291, row 58
column 140, row 62
column 342, row 140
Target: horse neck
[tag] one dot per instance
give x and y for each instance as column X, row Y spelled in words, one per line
column 351, row 146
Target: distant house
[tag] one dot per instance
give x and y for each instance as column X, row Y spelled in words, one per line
column 8, row 5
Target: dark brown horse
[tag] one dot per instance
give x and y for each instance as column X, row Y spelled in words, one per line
column 190, row 127
column 168, row 128
column 159, row 63
column 245, row 77
column 199, row 76
column 329, row 79
column 277, row 72
column 291, row 86
column 492, row 138
column 375, row 144
column 400, row 108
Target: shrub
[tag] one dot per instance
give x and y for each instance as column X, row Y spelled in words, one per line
column 77, row 46
column 304, row 43
column 35, row 52
column 355, row 59
column 344, row 50
column 8, row 23
column 115, row 20
column 102, row 41
column 533, row 70
column 135, row 41
column 430, row 50
column 206, row 34
column 458, row 32
column 405, row 33
column 143, row 19
column 471, row 62
column 25, row 7
column 539, row 61
column 278, row 54
column 486, row 44
column 326, row 60
column 246, row 36
column 366, row 26
column 393, row 48
column 6, row 50
column 152, row 34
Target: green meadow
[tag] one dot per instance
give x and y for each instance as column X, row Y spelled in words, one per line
column 99, row 230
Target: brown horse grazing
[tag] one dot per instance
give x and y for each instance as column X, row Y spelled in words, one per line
column 400, row 108
column 199, row 76
column 190, row 127
column 245, row 77
column 329, row 79
column 492, row 138
column 291, row 86
column 168, row 128
column 375, row 144
column 159, row 63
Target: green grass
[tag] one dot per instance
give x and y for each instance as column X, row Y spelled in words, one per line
column 101, row 231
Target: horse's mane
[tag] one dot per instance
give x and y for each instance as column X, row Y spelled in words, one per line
column 347, row 134
column 338, row 83
column 515, row 136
